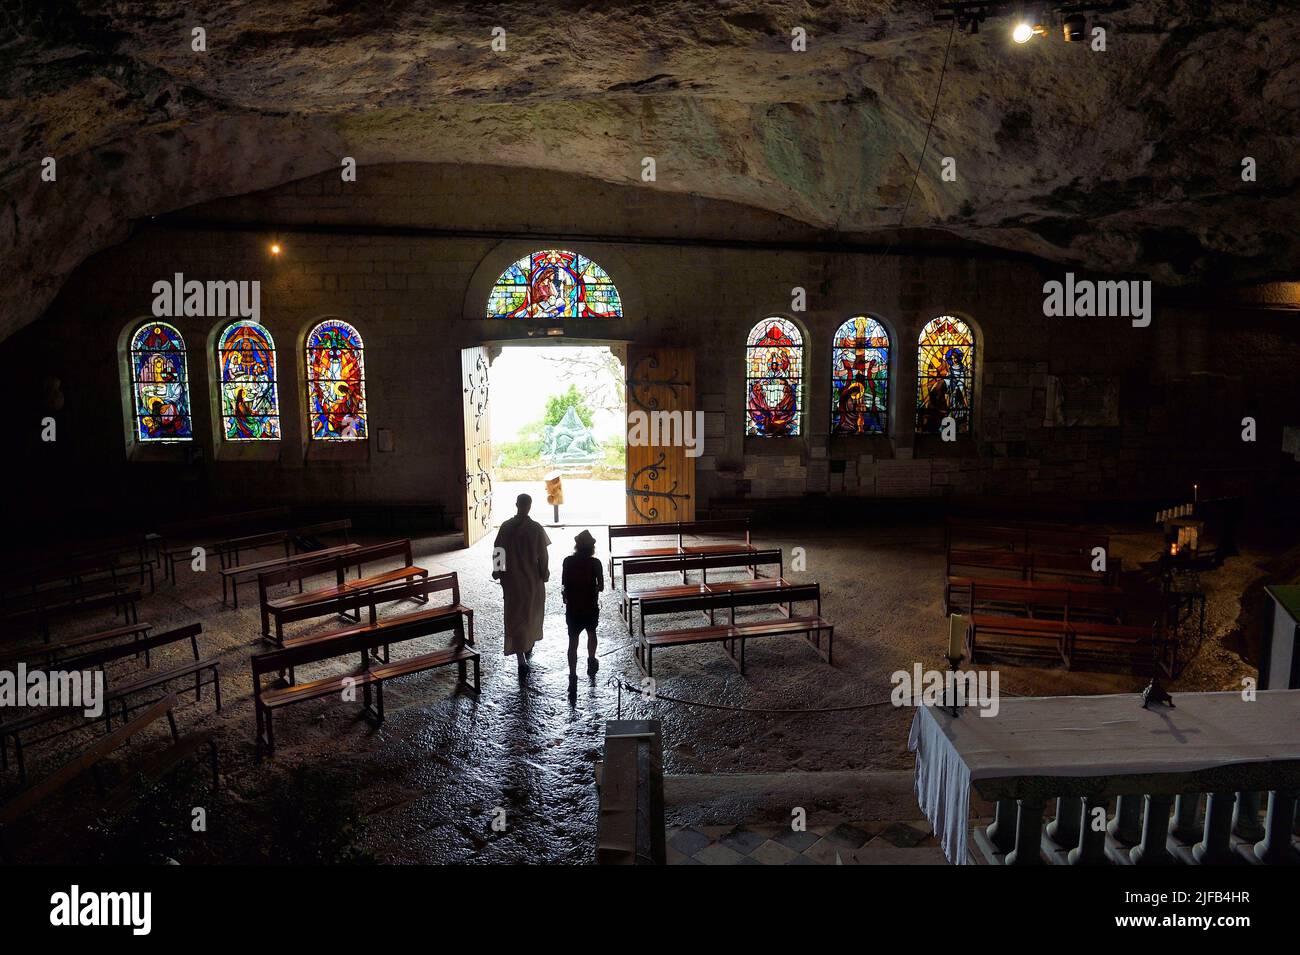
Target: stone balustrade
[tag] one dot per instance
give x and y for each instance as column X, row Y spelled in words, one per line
column 1210, row 817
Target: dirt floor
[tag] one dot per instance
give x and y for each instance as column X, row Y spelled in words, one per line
column 427, row 786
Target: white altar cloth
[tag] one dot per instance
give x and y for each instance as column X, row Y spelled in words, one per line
column 1090, row 736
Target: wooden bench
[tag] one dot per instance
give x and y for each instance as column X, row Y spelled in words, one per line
column 1030, row 567
column 748, row 559
column 365, row 643
column 232, row 577
column 734, row 534
column 1124, row 628
column 732, row 635
column 117, row 690
column 1027, row 538
column 1033, row 598
column 89, row 760
column 177, row 540
column 126, row 602
column 345, row 597
column 50, row 651
column 229, row 550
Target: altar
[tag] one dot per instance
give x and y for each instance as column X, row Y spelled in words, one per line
column 1083, row 751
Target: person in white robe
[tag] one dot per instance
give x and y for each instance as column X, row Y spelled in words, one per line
column 519, row 562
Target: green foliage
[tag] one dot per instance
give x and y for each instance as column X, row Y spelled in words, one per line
column 557, row 405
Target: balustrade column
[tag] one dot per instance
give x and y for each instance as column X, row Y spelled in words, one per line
column 1245, row 816
column 1155, row 833
column 1002, row 830
column 1091, row 849
column 1275, row 847
column 1126, row 827
column 1186, row 809
column 1029, row 834
column 1215, row 847
column 1064, row 829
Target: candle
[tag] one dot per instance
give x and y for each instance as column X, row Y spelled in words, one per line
column 1195, row 493
column 956, row 634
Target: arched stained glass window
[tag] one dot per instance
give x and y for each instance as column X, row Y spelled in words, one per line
column 336, row 382
column 250, row 404
column 773, row 379
column 860, row 377
column 554, row 284
column 160, row 384
column 945, row 374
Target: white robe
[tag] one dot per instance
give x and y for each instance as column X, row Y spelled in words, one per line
column 523, row 581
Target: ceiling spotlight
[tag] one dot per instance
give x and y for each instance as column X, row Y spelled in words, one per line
column 275, row 248
column 1073, row 27
column 1023, row 33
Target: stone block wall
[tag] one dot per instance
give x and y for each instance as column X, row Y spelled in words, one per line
column 407, row 252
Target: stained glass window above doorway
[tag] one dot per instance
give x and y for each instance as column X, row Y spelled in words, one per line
column 554, row 284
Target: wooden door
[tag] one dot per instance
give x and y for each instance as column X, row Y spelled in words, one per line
column 478, row 443
column 660, row 405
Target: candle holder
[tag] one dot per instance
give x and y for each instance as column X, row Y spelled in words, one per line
column 953, row 663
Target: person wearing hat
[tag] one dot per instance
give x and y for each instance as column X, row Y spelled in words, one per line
column 582, row 580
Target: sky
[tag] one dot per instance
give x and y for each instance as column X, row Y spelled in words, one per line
column 523, row 377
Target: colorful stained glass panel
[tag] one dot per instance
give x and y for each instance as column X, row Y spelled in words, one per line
column 860, row 377
column 160, row 384
column 250, row 405
column 773, row 379
column 945, row 375
column 554, row 284
column 336, row 382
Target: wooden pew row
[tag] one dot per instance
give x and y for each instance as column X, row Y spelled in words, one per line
column 40, row 619
column 1027, row 538
column 48, row 653
column 230, row 550
column 1055, row 623
column 732, row 635
column 373, row 668
column 119, row 690
column 89, row 760
column 232, row 577
column 747, row 559
column 344, row 597
column 177, row 540
column 733, row 534
column 1031, row 567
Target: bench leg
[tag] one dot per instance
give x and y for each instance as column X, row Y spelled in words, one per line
column 216, row 686
column 477, row 685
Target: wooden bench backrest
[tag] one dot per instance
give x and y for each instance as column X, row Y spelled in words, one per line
column 218, row 522
column 717, row 528
column 792, row 593
column 374, row 552
column 299, row 570
column 324, row 527
column 1005, row 559
column 644, row 530
column 360, row 641
column 1031, row 538
column 423, row 587
column 70, row 770
column 106, row 655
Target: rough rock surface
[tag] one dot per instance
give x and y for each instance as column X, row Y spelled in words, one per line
column 1127, row 160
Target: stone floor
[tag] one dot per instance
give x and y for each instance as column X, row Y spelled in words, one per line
column 425, row 786
column 857, row 843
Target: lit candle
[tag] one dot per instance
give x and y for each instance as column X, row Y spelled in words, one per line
column 957, row 632
column 1196, row 491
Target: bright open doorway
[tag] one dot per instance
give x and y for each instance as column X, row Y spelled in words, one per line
column 559, row 409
